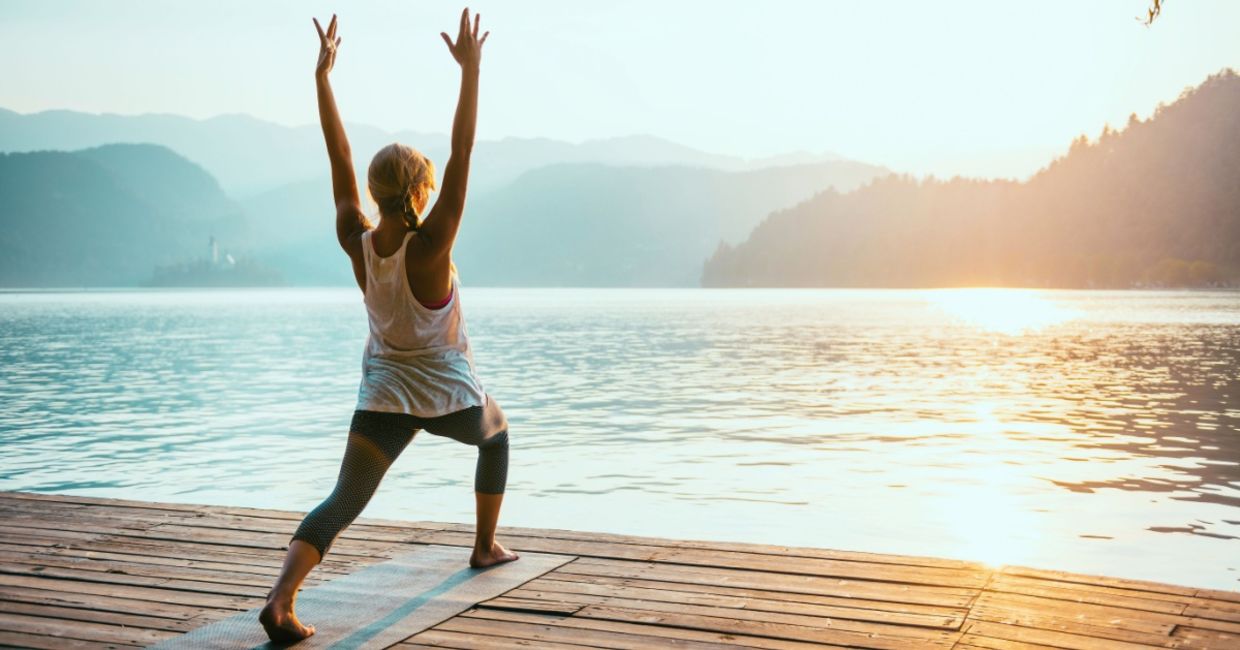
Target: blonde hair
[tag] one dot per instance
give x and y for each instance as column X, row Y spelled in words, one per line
column 400, row 178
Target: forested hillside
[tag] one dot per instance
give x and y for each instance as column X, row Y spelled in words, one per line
column 1156, row 203
column 106, row 216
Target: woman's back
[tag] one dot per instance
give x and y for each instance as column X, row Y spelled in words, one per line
column 398, row 322
column 417, row 359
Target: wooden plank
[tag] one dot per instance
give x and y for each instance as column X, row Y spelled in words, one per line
column 1220, row 610
column 136, row 592
column 542, row 605
column 21, row 496
column 246, row 540
column 100, row 602
column 1187, row 637
column 739, row 613
column 971, row 641
column 1022, row 646
column 1211, row 624
column 539, row 633
column 204, row 509
column 203, row 530
column 1122, row 583
column 775, row 629
column 675, row 588
column 92, row 523
column 667, row 635
column 1218, row 594
column 144, row 505
column 1052, row 638
column 151, row 564
column 177, row 552
column 966, row 578
column 235, row 537
column 1088, row 594
column 1119, row 628
column 813, row 585
column 51, row 532
column 9, row 639
column 1149, row 623
column 26, row 538
column 103, row 517
column 198, row 574
column 70, row 616
column 600, row 593
column 124, row 555
column 82, row 575
column 469, row 641
column 36, row 625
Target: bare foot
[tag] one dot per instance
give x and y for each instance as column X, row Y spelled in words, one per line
column 281, row 623
column 497, row 555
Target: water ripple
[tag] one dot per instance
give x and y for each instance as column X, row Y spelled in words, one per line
column 1091, row 431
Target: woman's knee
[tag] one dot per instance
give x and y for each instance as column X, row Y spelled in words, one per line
column 491, row 475
column 496, row 441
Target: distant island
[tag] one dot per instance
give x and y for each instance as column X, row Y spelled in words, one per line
column 216, row 269
column 1156, row 204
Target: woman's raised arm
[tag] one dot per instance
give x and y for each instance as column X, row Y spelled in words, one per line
column 440, row 226
column 350, row 222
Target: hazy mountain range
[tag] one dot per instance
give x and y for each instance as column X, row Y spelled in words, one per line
column 634, row 211
column 1154, row 204
column 249, row 156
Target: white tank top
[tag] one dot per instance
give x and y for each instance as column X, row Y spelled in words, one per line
column 417, row 360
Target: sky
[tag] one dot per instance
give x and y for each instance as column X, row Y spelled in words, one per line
column 973, row 87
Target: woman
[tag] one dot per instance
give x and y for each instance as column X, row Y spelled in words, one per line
column 417, row 368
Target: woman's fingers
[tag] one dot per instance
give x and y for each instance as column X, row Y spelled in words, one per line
column 468, row 35
column 322, row 36
column 331, row 29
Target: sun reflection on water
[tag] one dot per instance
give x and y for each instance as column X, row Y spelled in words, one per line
column 987, row 515
column 1005, row 311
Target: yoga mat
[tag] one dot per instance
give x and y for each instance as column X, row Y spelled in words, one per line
column 382, row 604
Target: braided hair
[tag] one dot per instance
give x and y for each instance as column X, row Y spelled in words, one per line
column 399, row 179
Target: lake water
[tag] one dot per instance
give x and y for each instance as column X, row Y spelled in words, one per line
column 1085, row 431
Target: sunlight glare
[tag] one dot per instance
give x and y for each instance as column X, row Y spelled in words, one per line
column 993, row 525
column 1004, row 311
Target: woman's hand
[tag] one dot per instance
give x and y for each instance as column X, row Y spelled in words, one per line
column 328, row 42
column 468, row 48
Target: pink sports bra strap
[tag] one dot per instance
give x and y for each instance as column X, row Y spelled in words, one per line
column 442, row 303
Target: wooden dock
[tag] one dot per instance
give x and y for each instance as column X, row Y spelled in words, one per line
column 78, row 572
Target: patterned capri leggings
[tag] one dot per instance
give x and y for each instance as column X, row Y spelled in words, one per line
column 376, row 440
